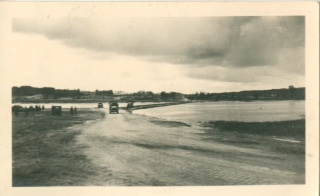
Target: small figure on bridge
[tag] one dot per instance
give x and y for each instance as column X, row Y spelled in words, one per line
column 42, row 107
column 75, row 110
column 71, row 110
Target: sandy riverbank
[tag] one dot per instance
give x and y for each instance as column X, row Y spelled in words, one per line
column 133, row 150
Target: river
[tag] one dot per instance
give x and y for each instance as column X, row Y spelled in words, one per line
column 256, row 111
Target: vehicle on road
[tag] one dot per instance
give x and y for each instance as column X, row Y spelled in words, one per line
column 100, row 105
column 56, row 110
column 113, row 107
column 130, row 105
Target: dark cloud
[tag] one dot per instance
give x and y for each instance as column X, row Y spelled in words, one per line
column 220, row 41
column 245, row 76
column 225, row 74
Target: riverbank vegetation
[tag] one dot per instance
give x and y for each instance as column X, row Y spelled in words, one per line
column 28, row 94
column 290, row 93
column 44, row 150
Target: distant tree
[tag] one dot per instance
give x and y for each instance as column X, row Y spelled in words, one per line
column 104, row 93
column 25, row 91
column 15, row 91
column 292, row 91
column 47, row 91
column 202, row 95
column 163, row 95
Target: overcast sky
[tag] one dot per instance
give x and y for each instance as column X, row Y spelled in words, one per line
column 208, row 54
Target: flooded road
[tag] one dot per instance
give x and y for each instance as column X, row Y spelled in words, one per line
column 135, row 150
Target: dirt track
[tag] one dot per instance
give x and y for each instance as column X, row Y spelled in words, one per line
column 134, row 150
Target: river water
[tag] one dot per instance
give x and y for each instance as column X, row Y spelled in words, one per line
column 256, row 111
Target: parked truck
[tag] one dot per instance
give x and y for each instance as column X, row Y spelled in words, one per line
column 113, row 107
column 100, row 105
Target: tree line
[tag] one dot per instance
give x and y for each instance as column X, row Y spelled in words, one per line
column 273, row 94
column 46, row 92
column 104, row 93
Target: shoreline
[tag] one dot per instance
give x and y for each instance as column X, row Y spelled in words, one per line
column 45, row 151
column 140, row 107
column 48, row 101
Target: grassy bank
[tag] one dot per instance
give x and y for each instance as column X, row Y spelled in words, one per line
column 282, row 136
column 44, row 150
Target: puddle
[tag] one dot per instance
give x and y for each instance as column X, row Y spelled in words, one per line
column 287, row 140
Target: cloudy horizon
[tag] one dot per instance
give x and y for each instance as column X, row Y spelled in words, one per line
column 188, row 54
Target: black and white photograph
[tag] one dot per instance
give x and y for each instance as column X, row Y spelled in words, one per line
column 175, row 95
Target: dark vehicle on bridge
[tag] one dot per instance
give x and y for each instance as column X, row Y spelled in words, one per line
column 130, row 105
column 113, row 107
column 100, row 105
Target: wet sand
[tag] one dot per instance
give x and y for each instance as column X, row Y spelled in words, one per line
column 134, row 150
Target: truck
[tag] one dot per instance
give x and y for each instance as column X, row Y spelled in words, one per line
column 56, row 110
column 100, row 105
column 113, row 107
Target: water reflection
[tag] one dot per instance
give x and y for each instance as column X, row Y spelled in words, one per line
column 230, row 111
